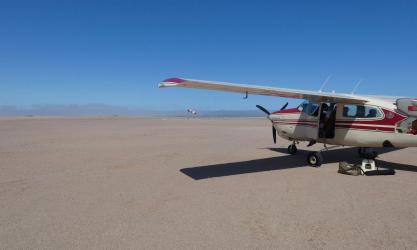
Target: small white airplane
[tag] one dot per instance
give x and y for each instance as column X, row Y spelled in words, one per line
column 330, row 118
column 191, row 111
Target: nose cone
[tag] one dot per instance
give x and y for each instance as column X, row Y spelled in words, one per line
column 272, row 117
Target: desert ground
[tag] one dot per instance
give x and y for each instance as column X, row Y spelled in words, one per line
column 206, row 183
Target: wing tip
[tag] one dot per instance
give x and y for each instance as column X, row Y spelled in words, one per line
column 169, row 82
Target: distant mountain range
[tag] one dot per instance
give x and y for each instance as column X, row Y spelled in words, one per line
column 109, row 110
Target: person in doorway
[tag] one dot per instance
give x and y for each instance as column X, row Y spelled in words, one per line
column 324, row 117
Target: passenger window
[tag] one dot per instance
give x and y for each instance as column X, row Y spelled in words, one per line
column 360, row 111
column 349, row 111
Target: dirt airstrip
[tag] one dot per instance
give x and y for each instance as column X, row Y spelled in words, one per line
column 155, row 183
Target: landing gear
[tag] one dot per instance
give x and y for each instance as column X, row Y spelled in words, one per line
column 292, row 149
column 315, row 159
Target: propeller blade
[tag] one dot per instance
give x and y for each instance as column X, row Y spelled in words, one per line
column 274, row 134
column 263, row 109
column 285, row 105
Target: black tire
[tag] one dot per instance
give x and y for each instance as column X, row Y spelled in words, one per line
column 292, row 149
column 315, row 159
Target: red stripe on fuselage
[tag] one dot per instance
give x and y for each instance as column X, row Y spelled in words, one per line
column 286, row 111
column 295, row 123
column 353, row 127
column 390, row 118
column 295, row 120
column 367, row 128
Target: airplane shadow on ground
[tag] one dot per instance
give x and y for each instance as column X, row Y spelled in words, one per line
column 286, row 162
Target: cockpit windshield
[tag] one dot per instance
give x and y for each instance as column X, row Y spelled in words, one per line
column 309, row 108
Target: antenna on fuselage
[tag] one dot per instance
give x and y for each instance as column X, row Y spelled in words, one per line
column 356, row 86
column 324, row 83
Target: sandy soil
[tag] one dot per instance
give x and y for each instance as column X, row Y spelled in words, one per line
column 201, row 183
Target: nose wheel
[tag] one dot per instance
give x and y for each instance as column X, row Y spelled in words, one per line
column 292, row 149
column 315, row 159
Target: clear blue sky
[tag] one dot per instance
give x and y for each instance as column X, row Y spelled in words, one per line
column 115, row 52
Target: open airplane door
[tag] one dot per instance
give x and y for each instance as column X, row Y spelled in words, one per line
column 327, row 120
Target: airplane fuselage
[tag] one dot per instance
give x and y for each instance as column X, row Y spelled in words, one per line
column 376, row 124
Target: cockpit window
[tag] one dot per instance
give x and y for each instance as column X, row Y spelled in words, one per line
column 309, row 108
column 302, row 106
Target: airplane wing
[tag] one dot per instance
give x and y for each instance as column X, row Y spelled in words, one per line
column 314, row 96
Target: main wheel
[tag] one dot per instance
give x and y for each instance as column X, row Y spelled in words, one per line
column 292, row 149
column 314, row 159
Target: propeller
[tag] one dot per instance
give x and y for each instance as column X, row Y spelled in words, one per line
column 263, row 109
column 274, row 131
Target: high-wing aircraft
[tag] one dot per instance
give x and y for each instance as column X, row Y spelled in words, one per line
column 330, row 118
